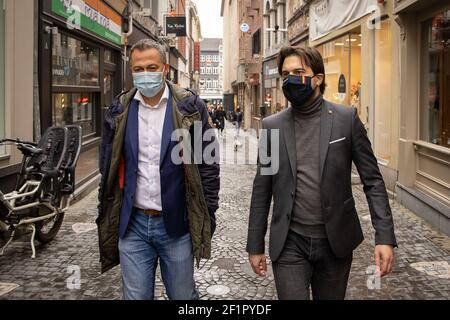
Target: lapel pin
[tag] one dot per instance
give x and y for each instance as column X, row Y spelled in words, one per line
column 330, row 112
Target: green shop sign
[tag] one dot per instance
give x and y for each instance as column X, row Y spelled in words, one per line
column 81, row 15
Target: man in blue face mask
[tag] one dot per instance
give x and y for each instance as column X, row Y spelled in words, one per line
column 154, row 208
column 315, row 226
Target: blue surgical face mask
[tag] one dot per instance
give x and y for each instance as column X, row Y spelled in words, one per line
column 149, row 83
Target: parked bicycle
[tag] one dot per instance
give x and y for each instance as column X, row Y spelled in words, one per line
column 45, row 184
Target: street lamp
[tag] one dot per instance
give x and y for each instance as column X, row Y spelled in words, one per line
column 245, row 29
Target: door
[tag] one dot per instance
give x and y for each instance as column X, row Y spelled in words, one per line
column 109, row 89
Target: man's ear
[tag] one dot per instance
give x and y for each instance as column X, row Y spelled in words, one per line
column 166, row 70
column 320, row 78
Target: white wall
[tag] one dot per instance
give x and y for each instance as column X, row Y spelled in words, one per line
column 230, row 43
column 19, row 44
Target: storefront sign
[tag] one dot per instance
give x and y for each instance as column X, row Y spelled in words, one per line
column 176, row 25
column 327, row 15
column 197, row 56
column 91, row 15
column 271, row 69
column 245, row 27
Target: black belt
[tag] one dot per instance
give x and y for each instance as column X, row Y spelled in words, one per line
column 149, row 212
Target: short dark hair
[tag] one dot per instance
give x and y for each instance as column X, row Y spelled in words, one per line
column 310, row 55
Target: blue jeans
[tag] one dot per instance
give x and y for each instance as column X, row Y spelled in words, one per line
column 145, row 241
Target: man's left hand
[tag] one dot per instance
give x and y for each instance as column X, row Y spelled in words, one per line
column 384, row 259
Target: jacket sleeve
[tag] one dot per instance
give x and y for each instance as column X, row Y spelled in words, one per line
column 209, row 172
column 374, row 186
column 105, row 153
column 102, row 159
column 261, row 200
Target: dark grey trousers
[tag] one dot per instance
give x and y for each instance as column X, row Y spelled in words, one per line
column 309, row 263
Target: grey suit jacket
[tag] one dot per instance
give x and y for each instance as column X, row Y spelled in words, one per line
column 343, row 140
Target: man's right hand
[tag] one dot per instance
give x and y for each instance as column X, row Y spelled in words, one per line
column 258, row 263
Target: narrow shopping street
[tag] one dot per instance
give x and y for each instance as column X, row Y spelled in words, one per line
column 422, row 268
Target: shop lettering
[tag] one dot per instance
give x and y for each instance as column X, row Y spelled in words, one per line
column 58, row 72
column 104, row 21
column 322, row 8
column 271, row 72
column 96, row 16
column 76, row 64
column 90, row 13
column 175, row 26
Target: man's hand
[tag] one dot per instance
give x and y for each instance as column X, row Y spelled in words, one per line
column 258, row 263
column 384, row 259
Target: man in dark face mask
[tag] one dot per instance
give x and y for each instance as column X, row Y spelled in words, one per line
column 301, row 86
column 315, row 226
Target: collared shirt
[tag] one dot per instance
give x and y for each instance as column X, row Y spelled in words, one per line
column 151, row 122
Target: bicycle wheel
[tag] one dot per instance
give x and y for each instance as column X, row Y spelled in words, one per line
column 46, row 230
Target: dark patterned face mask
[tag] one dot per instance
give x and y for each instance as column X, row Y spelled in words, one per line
column 298, row 89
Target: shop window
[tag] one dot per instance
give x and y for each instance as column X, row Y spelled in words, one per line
column 383, row 91
column 2, row 78
column 256, row 42
column 435, row 93
column 74, row 108
column 110, row 57
column 342, row 59
column 109, row 88
column 75, row 78
column 74, row 62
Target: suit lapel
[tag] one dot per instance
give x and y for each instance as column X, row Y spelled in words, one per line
column 167, row 129
column 133, row 129
column 289, row 139
column 326, row 126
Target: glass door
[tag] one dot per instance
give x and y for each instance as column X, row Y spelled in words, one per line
column 109, row 90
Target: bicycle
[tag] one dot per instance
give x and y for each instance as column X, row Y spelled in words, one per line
column 45, row 184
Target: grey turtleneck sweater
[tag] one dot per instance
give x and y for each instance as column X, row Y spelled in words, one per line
column 307, row 217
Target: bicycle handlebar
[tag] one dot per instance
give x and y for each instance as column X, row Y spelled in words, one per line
column 18, row 141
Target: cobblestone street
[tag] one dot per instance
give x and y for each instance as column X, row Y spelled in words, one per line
column 422, row 269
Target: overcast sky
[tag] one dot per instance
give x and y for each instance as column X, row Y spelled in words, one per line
column 210, row 19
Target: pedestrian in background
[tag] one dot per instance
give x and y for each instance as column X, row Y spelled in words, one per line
column 238, row 120
column 220, row 119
